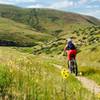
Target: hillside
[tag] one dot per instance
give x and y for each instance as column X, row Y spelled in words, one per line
column 46, row 20
column 82, row 37
column 46, row 29
column 16, row 34
column 38, row 25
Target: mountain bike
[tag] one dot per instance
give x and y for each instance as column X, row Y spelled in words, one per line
column 72, row 65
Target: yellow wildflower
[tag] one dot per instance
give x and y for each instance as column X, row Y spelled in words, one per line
column 98, row 95
column 65, row 73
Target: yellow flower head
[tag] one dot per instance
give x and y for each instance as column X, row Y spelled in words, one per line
column 65, row 73
column 98, row 95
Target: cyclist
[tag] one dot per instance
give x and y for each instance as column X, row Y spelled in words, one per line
column 71, row 50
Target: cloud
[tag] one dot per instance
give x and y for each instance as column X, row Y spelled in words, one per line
column 94, row 12
column 56, row 5
column 92, row 6
column 83, row 1
column 18, row 1
column 36, row 6
column 95, row 0
column 6, row 2
column 62, row 5
column 15, row 1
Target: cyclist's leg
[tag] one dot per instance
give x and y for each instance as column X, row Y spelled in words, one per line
column 69, row 63
column 70, row 66
column 76, row 67
column 75, row 63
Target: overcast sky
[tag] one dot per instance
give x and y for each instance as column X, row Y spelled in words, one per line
column 87, row 7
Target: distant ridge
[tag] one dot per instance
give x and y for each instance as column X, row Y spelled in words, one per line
column 27, row 26
column 29, row 16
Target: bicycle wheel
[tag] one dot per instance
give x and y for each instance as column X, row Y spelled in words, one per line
column 71, row 66
column 75, row 68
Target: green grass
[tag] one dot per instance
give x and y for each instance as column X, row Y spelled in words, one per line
column 35, row 77
column 89, row 62
column 89, row 56
column 20, row 34
column 91, row 73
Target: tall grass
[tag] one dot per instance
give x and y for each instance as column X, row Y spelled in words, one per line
column 91, row 72
column 35, row 78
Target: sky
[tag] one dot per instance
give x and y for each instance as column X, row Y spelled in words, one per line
column 87, row 7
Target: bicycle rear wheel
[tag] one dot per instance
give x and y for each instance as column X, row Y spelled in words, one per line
column 75, row 68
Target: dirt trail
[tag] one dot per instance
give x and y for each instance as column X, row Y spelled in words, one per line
column 87, row 83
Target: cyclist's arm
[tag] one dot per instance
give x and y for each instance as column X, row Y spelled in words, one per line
column 66, row 48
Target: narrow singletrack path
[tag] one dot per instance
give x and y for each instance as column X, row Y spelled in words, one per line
column 87, row 83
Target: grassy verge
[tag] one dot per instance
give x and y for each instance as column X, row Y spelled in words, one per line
column 34, row 77
column 89, row 58
column 92, row 73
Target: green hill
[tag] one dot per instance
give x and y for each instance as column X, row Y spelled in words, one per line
column 83, row 37
column 46, row 20
column 46, row 30
column 16, row 34
column 26, row 27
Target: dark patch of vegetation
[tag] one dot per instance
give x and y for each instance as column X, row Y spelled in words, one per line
column 7, row 43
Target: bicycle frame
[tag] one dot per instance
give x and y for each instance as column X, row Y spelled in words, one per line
column 73, row 65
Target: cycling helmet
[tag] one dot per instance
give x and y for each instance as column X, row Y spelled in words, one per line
column 69, row 40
